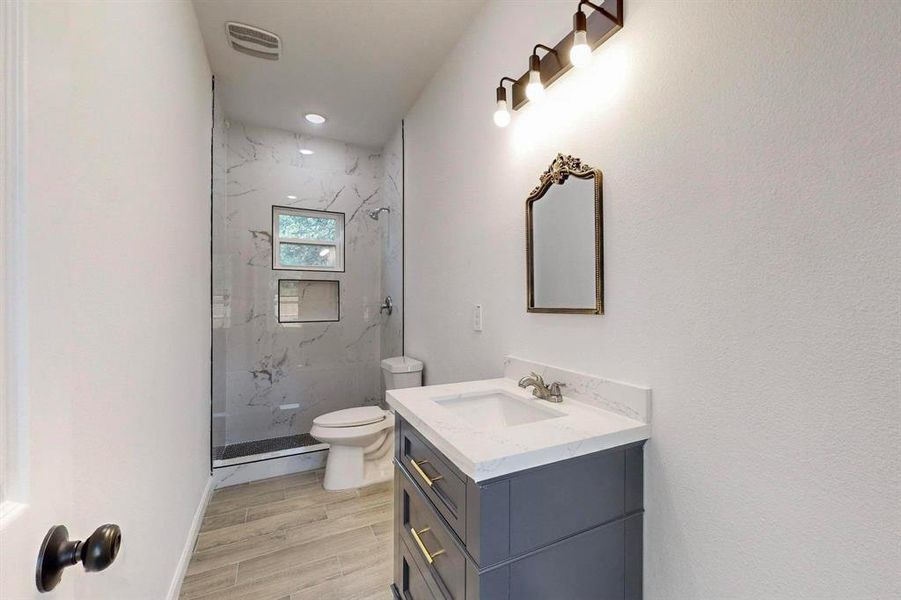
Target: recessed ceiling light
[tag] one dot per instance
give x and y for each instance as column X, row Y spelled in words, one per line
column 314, row 118
column 292, row 197
column 306, row 151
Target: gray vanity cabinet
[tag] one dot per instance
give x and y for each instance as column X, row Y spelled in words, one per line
column 571, row 530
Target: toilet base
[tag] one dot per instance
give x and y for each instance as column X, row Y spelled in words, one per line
column 349, row 467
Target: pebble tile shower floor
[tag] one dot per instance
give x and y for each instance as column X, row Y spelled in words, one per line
column 263, row 446
column 287, row 538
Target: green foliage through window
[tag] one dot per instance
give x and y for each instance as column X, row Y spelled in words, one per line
column 308, row 228
column 306, row 255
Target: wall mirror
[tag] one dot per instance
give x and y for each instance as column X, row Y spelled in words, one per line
column 564, row 243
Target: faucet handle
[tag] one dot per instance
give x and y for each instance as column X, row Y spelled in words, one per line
column 538, row 378
column 555, row 394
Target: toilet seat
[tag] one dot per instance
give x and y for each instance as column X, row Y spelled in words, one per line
column 332, row 435
column 351, row 417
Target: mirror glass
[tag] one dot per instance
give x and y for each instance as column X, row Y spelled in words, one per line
column 564, row 245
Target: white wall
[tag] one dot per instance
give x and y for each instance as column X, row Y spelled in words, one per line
column 751, row 166
column 118, row 274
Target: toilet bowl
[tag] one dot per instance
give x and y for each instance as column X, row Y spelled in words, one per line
column 361, row 439
column 360, row 442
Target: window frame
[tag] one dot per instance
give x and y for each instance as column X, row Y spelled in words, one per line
column 278, row 301
column 277, row 240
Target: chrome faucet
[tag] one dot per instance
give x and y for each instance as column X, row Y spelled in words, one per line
column 540, row 390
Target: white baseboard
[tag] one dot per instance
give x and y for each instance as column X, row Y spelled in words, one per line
column 188, row 550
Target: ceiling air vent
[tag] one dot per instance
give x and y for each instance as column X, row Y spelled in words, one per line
column 253, row 41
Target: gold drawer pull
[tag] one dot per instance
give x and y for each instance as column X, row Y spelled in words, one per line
column 429, row 556
column 429, row 480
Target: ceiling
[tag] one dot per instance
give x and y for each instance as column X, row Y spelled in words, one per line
column 360, row 63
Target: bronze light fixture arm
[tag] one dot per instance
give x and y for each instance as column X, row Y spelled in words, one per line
column 599, row 9
column 501, row 90
column 548, row 48
column 502, row 114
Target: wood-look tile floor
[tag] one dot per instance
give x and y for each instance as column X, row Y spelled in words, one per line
column 287, row 538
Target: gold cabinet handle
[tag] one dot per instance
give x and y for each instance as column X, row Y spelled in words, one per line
column 418, row 468
column 429, row 556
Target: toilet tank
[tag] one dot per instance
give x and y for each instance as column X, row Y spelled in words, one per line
column 401, row 372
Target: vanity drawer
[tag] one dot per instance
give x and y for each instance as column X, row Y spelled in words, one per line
column 444, row 488
column 412, row 584
column 434, row 546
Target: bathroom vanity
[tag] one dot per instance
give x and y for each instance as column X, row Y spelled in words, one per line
column 501, row 496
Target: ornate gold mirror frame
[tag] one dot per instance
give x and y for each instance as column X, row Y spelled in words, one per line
column 560, row 170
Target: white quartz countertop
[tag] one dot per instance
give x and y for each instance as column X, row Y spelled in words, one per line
column 484, row 451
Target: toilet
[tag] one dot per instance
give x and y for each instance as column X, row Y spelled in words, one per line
column 361, row 439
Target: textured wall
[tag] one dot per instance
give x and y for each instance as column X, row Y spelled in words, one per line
column 321, row 366
column 752, row 217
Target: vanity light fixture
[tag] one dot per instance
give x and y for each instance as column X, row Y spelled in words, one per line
column 502, row 114
column 535, row 88
column 314, row 118
column 589, row 31
column 306, row 151
column 580, row 53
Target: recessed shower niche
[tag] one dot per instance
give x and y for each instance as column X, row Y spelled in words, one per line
column 308, row 301
column 298, row 333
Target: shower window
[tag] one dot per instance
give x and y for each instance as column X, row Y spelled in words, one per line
column 307, row 240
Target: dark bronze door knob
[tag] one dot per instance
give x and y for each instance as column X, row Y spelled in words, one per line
column 95, row 553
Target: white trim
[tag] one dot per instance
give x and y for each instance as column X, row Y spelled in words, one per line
column 13, row 421
column 188, row 550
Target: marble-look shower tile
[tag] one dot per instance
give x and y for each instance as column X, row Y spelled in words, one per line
column 391, row 240
column 318, row 366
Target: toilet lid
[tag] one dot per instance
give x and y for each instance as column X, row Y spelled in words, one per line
column 351, row 417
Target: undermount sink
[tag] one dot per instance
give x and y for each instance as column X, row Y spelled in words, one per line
column 496, row 409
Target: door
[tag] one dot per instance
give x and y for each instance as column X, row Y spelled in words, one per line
column 106, row 287
column 36, row 485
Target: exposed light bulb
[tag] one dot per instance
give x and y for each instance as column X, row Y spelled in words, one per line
column 580, row 53
column 306, row 151
column 502, row 115
column 535, row 89
column 314, row 118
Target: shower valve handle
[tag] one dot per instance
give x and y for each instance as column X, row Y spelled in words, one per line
column 387, row 306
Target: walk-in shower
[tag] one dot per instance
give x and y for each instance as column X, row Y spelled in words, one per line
column 301, row 333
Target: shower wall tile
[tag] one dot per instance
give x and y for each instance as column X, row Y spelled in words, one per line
column 392, row 245
column 320, row 366
column 221, row 283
